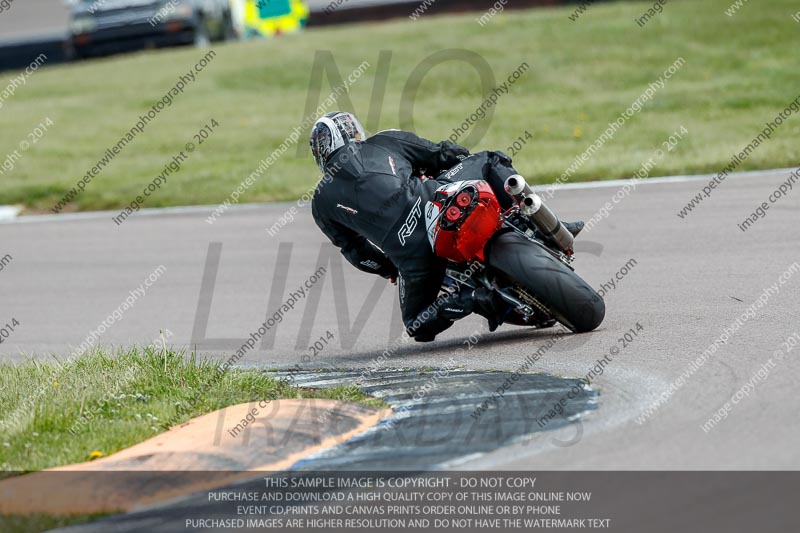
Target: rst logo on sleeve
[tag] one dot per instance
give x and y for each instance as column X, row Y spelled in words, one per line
column 453, row 171
column 348, row 209
column 412, row 220
column 369, row 263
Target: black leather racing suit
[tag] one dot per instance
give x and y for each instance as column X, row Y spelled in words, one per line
column 371, row 205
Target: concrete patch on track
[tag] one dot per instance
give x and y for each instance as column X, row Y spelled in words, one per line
column 438, row 421
column 432, row 427
column 9, row 212
column 191, row 457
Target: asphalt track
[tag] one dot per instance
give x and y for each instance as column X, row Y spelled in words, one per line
column 692, row 278
column 34, row 18
column 433, row 410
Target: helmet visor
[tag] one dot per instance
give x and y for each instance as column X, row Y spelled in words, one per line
column 321, row 145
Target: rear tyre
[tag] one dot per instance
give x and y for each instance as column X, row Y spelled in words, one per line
column 568, row 297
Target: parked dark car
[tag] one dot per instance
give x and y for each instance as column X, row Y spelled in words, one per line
column 99, row 27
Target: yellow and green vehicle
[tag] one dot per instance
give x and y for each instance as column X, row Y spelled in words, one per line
column 266, row 18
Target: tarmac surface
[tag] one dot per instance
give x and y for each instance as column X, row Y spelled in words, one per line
column 689, row 280
column 434, row 410
column 27, row 19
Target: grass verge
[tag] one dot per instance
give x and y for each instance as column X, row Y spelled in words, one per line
column 102, row 402
column 40, row 522
column 740, row 71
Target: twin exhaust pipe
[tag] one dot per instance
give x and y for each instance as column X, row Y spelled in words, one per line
column 531, row 205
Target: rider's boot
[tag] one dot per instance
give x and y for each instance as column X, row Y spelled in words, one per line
column 489, row 305
column 574, row 227
column 482, row 301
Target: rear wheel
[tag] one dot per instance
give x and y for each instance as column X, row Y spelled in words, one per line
column 571, row 300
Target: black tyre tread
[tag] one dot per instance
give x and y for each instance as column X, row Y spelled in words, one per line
column 550, row 281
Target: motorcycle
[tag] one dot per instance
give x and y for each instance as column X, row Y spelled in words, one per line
column 524, row 254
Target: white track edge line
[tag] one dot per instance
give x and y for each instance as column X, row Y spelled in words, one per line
column 208, row 209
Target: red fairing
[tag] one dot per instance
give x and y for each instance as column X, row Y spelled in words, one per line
column 466, row 243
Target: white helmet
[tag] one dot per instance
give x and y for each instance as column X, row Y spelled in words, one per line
column 331, row 132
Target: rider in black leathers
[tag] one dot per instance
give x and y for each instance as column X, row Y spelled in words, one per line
column 371, row 205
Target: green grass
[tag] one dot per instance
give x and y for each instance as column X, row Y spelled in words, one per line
column 739, row 72
column 39, row 522
column 131, row 396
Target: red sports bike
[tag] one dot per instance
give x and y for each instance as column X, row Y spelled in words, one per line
column 524, row 254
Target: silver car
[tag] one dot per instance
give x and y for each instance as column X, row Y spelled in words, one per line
column 99, row 27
